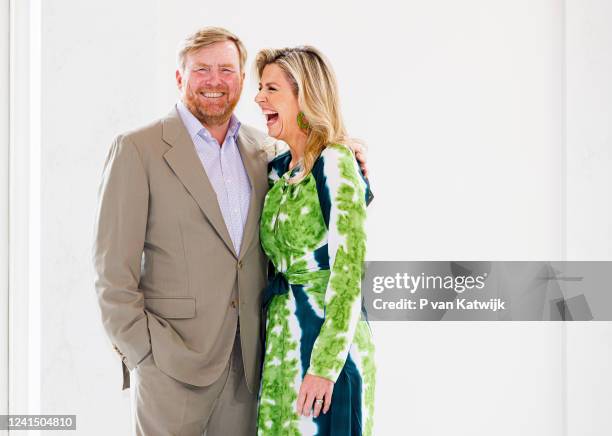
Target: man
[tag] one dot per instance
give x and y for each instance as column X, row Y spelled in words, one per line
column 179, row 268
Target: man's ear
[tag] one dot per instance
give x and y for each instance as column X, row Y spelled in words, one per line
column 179, row 79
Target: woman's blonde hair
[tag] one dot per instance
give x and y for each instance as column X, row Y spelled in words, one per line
column 315, row 87
column 208, row 36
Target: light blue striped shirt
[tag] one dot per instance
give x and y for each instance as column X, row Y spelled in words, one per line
column 225, row 170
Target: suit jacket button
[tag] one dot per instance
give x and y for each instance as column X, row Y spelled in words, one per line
column 233, row 304
column 239, row 264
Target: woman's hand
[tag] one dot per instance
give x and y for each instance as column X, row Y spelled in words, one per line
column 360, row 152
column 314, row 388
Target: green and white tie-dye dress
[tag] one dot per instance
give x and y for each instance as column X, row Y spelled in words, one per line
column 313, row 233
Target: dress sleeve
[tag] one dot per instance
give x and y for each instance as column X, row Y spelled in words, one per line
column 346, row 248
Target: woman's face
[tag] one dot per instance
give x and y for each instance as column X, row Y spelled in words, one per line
column 278, row 103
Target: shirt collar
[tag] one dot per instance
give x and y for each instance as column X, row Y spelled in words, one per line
column 195, row 127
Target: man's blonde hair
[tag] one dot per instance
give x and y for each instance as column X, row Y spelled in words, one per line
column 314, row 85
column 205, row 37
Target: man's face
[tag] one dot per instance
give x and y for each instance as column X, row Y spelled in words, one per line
column 211, row 82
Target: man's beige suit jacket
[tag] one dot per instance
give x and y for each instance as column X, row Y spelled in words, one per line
column 168, row 278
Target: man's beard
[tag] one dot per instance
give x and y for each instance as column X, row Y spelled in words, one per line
column 215, row 117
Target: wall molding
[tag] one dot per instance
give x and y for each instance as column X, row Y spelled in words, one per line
column 24, row 208
column 4, row 202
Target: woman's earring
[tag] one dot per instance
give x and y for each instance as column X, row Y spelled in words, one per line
column 302, row 123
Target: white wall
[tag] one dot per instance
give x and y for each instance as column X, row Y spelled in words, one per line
column 99, row 79
column 589, row 204
column 462, row 104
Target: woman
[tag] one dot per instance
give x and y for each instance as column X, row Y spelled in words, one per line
column 318, row 372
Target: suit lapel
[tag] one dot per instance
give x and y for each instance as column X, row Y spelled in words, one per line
column 256, row 166
column 186, row 164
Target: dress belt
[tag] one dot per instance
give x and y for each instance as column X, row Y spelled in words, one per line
column 279, row 285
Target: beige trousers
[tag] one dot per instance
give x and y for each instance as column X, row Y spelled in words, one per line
column 164, row 406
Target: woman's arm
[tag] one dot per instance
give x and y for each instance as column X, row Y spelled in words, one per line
column 346, row 248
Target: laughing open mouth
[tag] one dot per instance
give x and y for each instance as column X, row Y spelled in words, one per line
column 271, row 117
